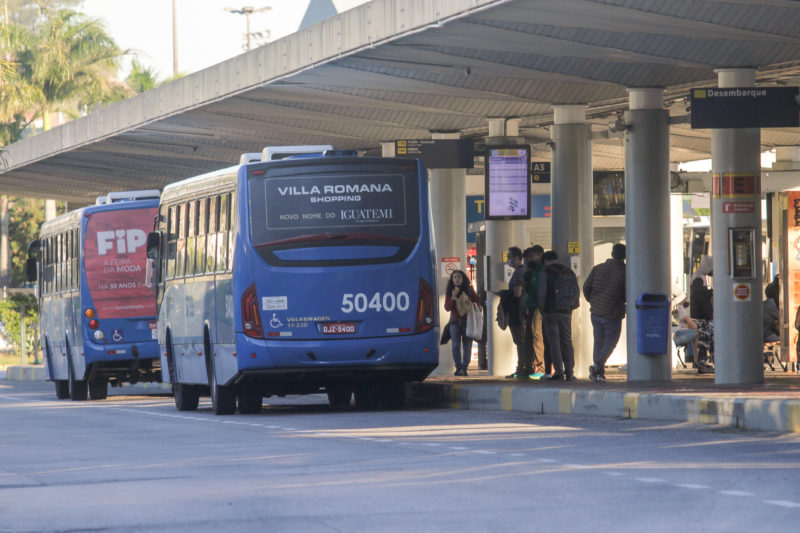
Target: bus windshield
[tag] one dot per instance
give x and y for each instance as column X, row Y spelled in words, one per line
column 346, row 216
column 116, row 265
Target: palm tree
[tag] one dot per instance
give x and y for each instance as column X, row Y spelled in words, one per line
column 69, row 64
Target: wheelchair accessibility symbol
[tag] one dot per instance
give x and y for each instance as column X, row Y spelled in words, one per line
column 275, row 323
column 117, row 335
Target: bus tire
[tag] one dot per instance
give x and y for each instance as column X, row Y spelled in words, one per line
column 250, row 399
column 366, row 398
column 339, row 396
column 78, row 388
column 62, row 388
column 98, row 389
column 392, row 395
column 187, row 397
column 223, row 399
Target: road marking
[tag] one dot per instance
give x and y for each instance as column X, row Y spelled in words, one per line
column 431, row 444
column 459, row 448
column 736, row 493
column 615, row 474
column 692, row 486
column 518, row 454
column 783, row 503
column 579, row 467
column 650, row 479
column 545, row 460
column 484, row 452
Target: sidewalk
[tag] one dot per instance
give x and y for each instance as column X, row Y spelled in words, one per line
column 689, row 397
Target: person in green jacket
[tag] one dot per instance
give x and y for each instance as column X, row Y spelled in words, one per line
column 534, row 341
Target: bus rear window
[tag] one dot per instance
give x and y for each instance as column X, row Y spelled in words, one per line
column 116, row 265
column 354, row 211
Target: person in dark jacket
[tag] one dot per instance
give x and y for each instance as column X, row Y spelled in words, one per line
column 458, row 299
column 556, row 324
column 604, row 289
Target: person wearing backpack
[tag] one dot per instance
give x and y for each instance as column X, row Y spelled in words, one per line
column 604, row 289
column 559, row 295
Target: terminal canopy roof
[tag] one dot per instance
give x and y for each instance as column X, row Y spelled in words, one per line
column 401, row 69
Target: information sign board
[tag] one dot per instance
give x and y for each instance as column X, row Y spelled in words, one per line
column 438, row 153
column 508, row 184
column 745, row 107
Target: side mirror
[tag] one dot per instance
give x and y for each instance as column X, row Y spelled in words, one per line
column 153, row 244
column 30, row 269
column 35, row 250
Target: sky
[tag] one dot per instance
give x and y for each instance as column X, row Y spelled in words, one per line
column 207, row 34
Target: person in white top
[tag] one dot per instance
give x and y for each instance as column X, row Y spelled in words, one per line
column 684, row 330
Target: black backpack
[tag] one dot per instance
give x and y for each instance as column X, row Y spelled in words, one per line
column 567, row 292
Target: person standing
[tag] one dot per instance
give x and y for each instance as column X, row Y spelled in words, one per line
column 516, row 319
column 558, row 295
column 534, row 340
column 604, row 289
column 459, row 297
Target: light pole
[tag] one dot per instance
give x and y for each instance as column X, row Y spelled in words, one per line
column 247, row 11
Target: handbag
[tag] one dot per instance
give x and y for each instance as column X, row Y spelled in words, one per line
column 475, row 323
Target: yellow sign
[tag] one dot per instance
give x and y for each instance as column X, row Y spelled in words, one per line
column 573, row 247
column 505, row 256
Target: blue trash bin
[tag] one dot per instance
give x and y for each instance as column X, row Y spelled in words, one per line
column 652, row 323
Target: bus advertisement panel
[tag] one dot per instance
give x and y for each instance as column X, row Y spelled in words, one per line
column 116, row 266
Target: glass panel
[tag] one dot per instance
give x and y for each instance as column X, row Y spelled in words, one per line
column 191, row 241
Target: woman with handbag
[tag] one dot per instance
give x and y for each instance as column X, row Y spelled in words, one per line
column 459, row 299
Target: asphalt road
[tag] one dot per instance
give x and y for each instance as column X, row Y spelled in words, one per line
column 134, row 463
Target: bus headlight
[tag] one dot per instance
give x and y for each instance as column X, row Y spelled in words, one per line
column 98, row 335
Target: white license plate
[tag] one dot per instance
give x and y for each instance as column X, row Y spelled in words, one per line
column 338, row 328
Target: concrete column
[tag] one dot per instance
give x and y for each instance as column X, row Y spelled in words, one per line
column 571, row 207
column 500, row 234
column 448, row 190
column 647, row 215
column 738, row 334
column 49, row 210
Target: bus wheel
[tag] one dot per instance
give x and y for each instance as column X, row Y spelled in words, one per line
column 392, row 395
column 98, row 389
column 223, row 399
column 78, row 388
column 186, row 397
column 62, row 389
column 366, row 397
column 339, row 396
column 249, row 399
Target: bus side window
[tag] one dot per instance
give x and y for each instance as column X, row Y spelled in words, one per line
column 231, row 226
column 68, row 261
column 59, row 262
column 76, row 275
column 172, row 242
column 222, row 240
column 43, row 269
column 191, row 240
column 180, row 265
column 202, row 231
column 211, row 240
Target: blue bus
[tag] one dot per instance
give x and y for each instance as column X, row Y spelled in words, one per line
column 304, row 271
column 97, row 313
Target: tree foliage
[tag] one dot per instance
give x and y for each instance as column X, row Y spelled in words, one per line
column 10, row 323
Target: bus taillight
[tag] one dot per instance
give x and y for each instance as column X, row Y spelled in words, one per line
column 251, row 314
column 424, row 317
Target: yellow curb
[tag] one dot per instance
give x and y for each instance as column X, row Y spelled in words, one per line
column 705, row 416
column 565, row 401
column 631, row 403
column 793, row 417
column 455, row 397
column 506, row 393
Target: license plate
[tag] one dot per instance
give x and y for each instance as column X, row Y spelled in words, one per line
column 338, row 328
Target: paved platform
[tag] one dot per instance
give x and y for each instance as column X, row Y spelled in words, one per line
column 689, row 397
